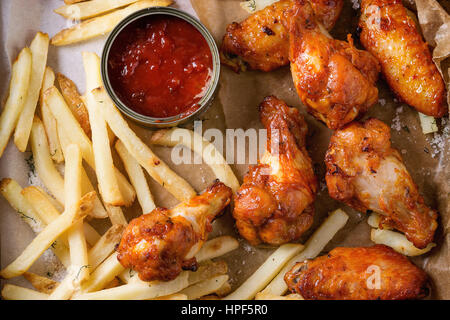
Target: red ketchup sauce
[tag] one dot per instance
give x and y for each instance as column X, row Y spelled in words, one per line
column 160, row 66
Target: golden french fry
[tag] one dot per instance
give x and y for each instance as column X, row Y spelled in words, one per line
column 266, row 272
column 13, row 292
column 75, row 134
column 18, row 88
column 398, row 242
column 116, row 215
column 74, row 101
column 72, row 1
column 105, row 246
column 72, row 192
column 224, row 289
column 315, row 244
column 103, row 274
column 137, row 178
column 97, row 26
column 205, row 287
column 41, row 284
column 175, row 296
column 139, row 291
column 12, row 192
column 104, row 167
column 157, row 169
column 212, row 157
column 292, row 296
column 89, row 9
column 216, row 247
column 39, row 49
column 46, row 237
column 48, row 119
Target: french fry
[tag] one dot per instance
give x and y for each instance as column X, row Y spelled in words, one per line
column 18, row 88
column 72, row 191
column 398, row 242
column 48, row 119
column 315, row 244
column 89, row 9
column 91, row 64
column 137, row 178
column 74, row 133
column 216, row 247
column 47, row 211
column 114, row 283
column 224, row 289
column 39, row 49
column 211, row 156
column 104, row 167
column 139, row 291
column 205, row 287
column 68, row 285
column 157, row 169
column 75, row 103
column 46, row 237
column 12, row 192
column 98, row 211
column 116, row 215
column 41, row 284
column 105, row 246
column 103, row 274
column 13, row 292
column 45, row 168
column 97, row 26
column 266, row 272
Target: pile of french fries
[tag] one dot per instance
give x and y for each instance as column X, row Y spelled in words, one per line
column 97, row 17
column 75, row 131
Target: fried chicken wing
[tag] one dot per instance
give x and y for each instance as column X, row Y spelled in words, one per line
column 275, row 203
column 333, row 79
column 392, row 36
column 158, row 245
column 373, row 273
column 365, row 172
column 261, row 41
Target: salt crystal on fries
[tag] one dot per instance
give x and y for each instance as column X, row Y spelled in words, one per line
column 39, row 50
column 18, row 88
column 157, row 169
column 97, row 26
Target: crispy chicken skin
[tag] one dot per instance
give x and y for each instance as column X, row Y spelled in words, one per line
column 333, row 79
column 365, row 172
column 159, row 244
column 392, row 36
column 350, row 274
column 275, row 203
column 261, row 41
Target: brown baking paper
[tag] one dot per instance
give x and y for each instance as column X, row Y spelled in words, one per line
column 426, row 156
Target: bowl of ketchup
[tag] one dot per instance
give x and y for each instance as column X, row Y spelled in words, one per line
column 161, row 67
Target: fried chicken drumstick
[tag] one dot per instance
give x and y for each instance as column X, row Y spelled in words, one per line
column 275, row 203
column 333, row 79
column 392, row 36
column 159, row 244
column 365, row 172
column 373, row 273
column 261, row 41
